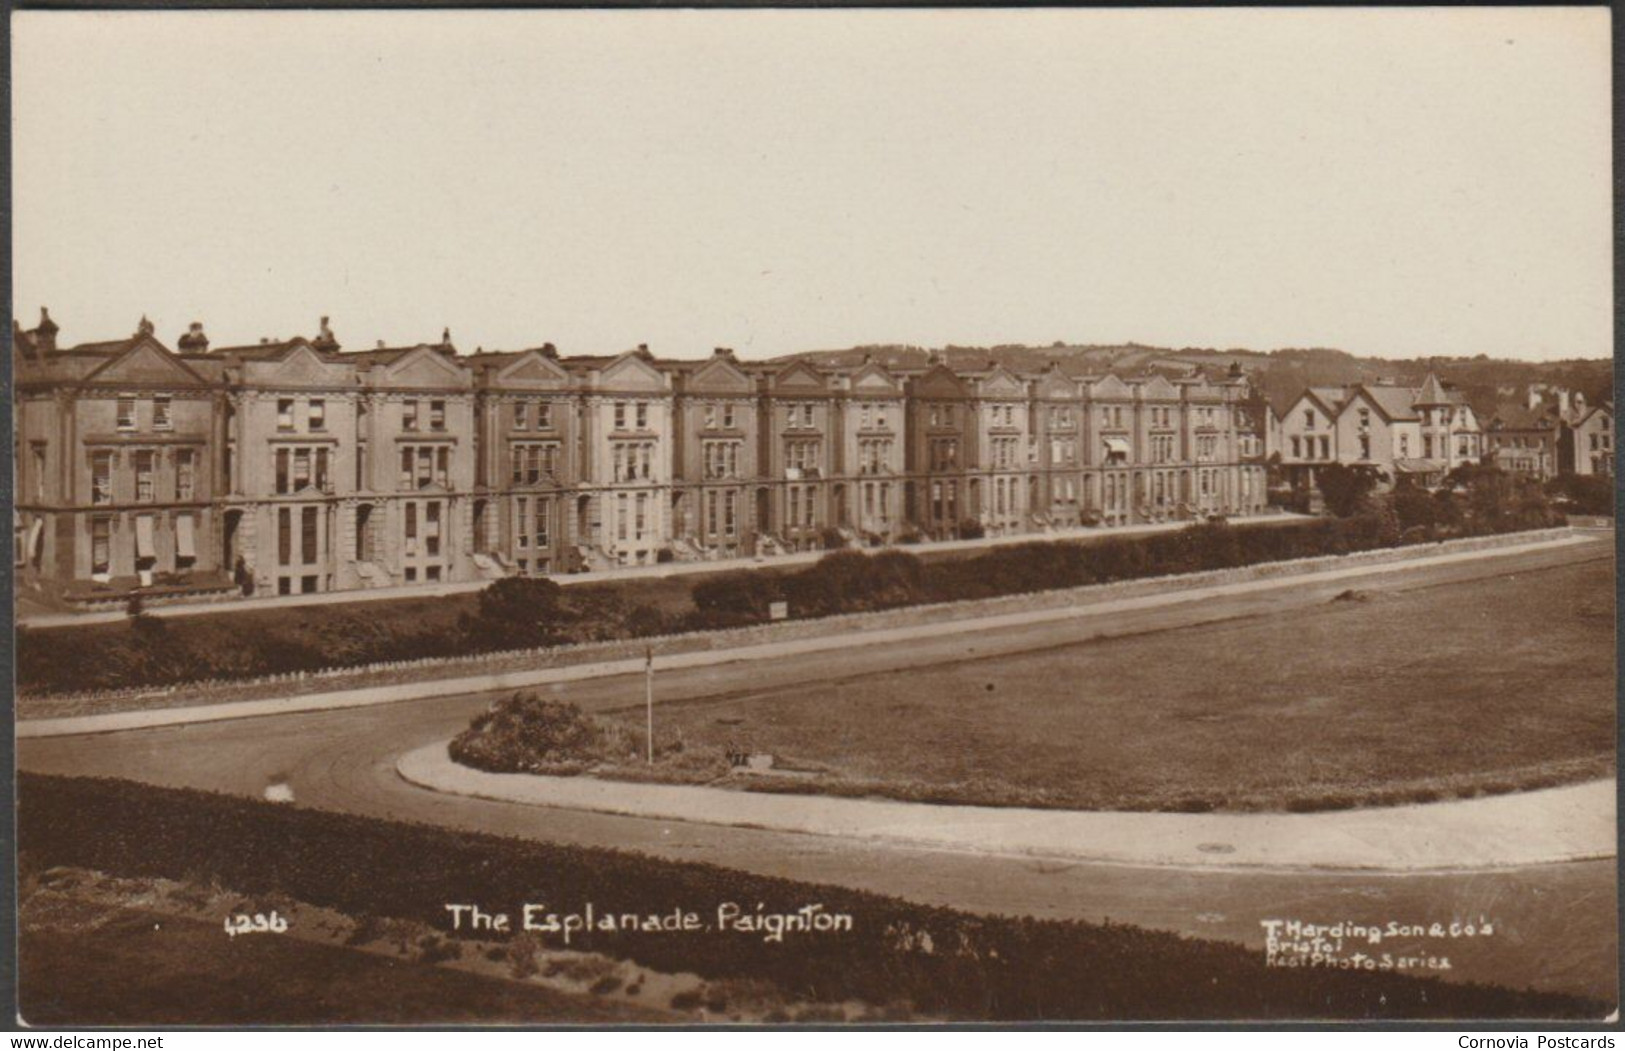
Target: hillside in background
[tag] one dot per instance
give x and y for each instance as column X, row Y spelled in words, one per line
column 1282, row 374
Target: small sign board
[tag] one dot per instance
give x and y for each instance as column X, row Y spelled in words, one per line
column 778, row 611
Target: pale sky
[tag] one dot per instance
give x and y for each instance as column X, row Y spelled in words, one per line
column 1390, row 182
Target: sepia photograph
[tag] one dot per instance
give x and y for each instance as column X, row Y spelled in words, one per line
column 800, row 518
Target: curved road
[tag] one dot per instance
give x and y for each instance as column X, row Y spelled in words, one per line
column 1556, row 924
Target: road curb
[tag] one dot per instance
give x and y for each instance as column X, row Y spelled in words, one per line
column 1565, row 824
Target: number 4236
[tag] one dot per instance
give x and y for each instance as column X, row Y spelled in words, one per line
column 258, row 923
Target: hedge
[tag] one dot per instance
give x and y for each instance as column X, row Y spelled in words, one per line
column 944, row 962
column 849, row 582
column 523, row 613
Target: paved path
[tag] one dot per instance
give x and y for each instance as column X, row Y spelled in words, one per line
column 914, row 633
column 31, row 617
column 1528, row 828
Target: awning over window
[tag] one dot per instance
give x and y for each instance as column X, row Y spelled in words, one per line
column 36, row 539
column 143, row 537
column 1419, row 466
column 1117, row 446
column 185, row 542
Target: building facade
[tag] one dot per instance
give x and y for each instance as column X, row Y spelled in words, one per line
column 1420, row 432
column 296, row 466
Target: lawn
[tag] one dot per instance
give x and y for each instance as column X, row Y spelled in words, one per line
column 1386, row 696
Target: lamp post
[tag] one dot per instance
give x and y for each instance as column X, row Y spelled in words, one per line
column 649, row 700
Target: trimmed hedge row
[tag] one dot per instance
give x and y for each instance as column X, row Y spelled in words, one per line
column 524, row 613
column 942, row 961
column 850, row 582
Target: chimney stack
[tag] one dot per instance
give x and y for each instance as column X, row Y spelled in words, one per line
column 45, row 335
column 193, row 341
column 1534, row 399
column 1563, row 400
column 325, row 341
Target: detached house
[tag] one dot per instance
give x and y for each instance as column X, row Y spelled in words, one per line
column 1418, row 432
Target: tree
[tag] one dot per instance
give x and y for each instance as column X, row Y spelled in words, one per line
column 1346, row 487
column 515, row 613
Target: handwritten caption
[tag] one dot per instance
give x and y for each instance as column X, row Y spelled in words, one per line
column 728, row 918
column 1349, row 946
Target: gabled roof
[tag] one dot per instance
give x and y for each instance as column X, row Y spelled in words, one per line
column 872, row 376
column 1053, row 383
column 424, row 367
column 1157, row 388
column 534, row 368
column 1516, row 416
column 637, row 365
column 1330, row 400
column 1397, row 404
column 1331, row 397
column 1606, row 408
column 940, row 381
column 1110, row 386
column 147, row 361
column 799, row 374
column 1001, row 382
column 719, row 374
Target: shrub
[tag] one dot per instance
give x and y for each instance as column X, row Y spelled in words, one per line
column 1584, row 494
column 971, row 529
column 527, row 734
column 1345, row 486
column 515, row 613
column 742, row 594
